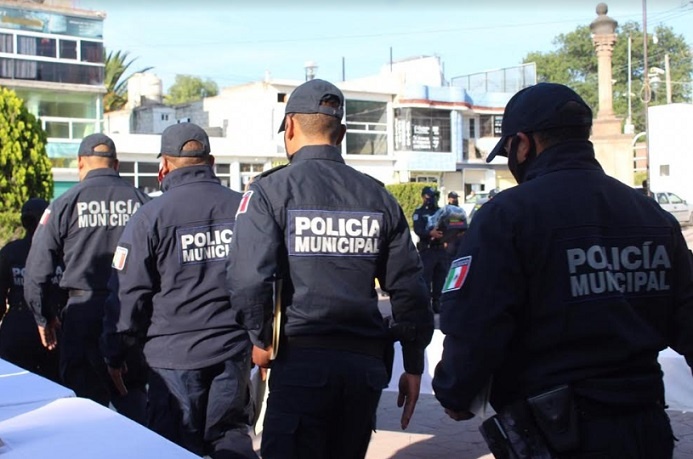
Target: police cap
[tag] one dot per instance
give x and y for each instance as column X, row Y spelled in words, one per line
column 308, row 98
column 177, row 135
column 537, row 108
column 90, row 142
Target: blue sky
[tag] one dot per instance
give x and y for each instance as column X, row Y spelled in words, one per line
column 236, row 41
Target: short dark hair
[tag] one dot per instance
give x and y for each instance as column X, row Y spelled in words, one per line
column 553, row 136
column 317, row 124
column 182, row 161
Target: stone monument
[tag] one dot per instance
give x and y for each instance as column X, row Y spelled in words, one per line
column 613, row 148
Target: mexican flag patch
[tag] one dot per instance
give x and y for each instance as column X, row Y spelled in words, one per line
column 457, row 274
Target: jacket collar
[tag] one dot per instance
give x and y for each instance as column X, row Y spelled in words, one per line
column 187, row 175
column 329, row 152
column 101, row 172
column 577, row 154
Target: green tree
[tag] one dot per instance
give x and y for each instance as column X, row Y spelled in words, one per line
column 188, row 88
column 574, row 63
column 26, row 169
column 408, row 195
column 117, row 63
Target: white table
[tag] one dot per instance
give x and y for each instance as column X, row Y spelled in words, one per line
column 22, row 391
column 77, row 428
column 678, row 381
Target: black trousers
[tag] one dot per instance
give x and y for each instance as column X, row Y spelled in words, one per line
column 436, row 263
column 207, row 410
column 20, row 344
column 82, row 367
column 322, row 404
column 640, row 435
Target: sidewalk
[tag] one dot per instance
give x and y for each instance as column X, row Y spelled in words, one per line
column 432, row 434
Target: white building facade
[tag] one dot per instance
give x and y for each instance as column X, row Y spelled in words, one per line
column 399, row 129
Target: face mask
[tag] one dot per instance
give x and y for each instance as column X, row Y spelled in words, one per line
column 518, row 170
column 161, row 172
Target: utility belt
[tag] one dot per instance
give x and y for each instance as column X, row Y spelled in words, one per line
column 539, row 427
column 17, row 307
column 547, row 425
column 75, row 292
column 425, row 245
column 369, row 346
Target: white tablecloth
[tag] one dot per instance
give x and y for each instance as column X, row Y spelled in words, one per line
column 678, row 381
column 77, row 428
column 22, row 391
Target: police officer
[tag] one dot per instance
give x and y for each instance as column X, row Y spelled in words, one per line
column 170, row 266
column 81, row 228
column 19, row 339
column 491, row 194
column 564, row 290
column 453, row 199
column 328, row 231
column 431, row 246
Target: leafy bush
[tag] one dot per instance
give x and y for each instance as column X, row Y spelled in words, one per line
column 409, row 197
column 10, row 227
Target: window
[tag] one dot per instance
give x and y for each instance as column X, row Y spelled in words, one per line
column 92, row 51
column 422, row 129
column 68, row 49
column 664, row 170
column 164, row 117
column 366, row 127
column 674, row 199
column 424, row 179
column 472, row 128
column 662, row 198
column 281, row 97
column 6, row 45
column 490, row 125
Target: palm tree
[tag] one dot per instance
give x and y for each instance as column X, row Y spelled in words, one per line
column 117, row 64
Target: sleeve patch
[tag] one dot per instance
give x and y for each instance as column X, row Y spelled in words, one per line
column 119, row 258
column 44, row 217
column 245, row 200
column 457, row 274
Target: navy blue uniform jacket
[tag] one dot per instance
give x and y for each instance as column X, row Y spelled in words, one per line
column 81, row 228
column 329, row 231
column 170, row 263
column 569, row 278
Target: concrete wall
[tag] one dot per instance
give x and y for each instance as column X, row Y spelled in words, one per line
column 671, row 152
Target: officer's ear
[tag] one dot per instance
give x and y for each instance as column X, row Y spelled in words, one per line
column 524, row 146
column 116, row 165
column 210, row 160
column 342, row 133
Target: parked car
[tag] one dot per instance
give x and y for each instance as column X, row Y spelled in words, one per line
column 673, row 204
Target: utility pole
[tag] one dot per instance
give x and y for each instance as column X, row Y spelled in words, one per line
column 667, row 71
column 647, row 93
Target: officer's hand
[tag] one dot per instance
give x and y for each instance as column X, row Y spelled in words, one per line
column 117, row 378
column 459, row 415
column 436, row 234
column 262, row 357
column 49, row 334
column 409, row 387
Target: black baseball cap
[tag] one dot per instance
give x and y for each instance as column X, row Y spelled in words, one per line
column 427, row 190
column 535, row 109
column 175, row 136
column 452, row 194
column 307, row 98
column 34, row 207
column 90, row 142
